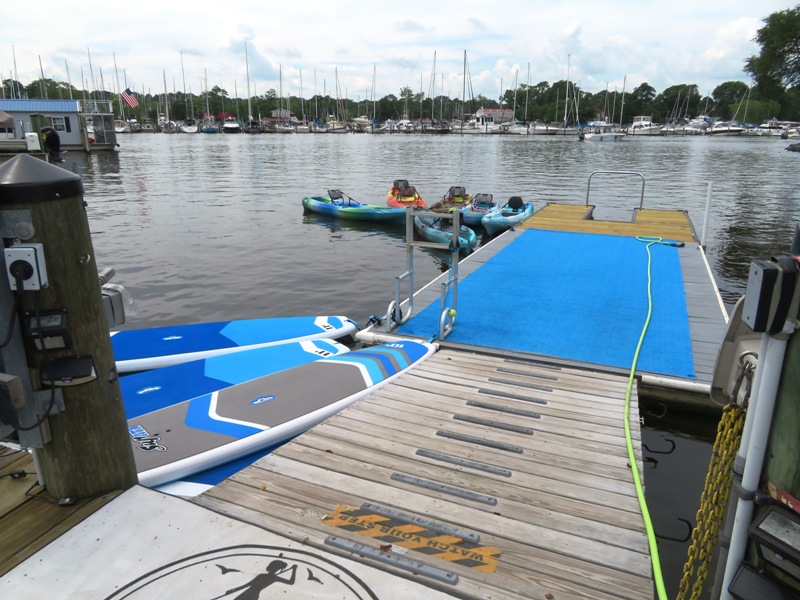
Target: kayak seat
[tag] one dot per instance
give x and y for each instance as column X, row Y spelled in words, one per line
column 482, row 200
column 516, row 204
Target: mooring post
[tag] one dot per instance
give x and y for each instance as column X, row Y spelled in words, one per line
column 50, row 267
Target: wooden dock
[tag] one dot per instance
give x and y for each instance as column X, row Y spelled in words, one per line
column 29, row 518
column 482, row 477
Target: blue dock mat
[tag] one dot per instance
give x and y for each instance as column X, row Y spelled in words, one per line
column 576, row 296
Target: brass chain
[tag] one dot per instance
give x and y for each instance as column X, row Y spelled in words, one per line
column 713, row 500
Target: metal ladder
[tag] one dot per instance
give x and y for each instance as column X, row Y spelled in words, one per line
column 394, row 314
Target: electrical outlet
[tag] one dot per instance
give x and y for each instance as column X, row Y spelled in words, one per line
column 26, row 263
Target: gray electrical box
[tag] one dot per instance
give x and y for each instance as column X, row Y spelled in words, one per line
column 771, row 294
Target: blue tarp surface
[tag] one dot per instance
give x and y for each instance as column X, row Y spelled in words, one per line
column 576, row 296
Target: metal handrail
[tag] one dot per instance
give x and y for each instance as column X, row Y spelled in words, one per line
column 589, row 183
column 394, row 314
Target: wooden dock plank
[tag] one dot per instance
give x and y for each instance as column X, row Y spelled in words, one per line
column 562, row 504
column 539, row 573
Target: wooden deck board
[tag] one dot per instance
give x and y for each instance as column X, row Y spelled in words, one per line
column 666, row 224
column 565, row 506
column 29, row 519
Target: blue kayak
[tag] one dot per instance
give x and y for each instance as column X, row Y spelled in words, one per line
column 440, row 231
column 340, row 205
column 514, row 212
column 481, row 205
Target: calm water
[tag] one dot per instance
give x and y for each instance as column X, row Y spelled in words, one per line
column 210, row 227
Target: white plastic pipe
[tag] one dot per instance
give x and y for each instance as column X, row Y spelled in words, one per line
column 738, row 468
column 772, row 364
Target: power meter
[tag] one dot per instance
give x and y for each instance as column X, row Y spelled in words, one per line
column 47, row 329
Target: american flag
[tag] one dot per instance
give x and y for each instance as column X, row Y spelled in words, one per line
column 129, row 98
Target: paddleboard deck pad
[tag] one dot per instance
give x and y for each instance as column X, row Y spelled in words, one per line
column 212, row 429
column 155, row 347
column 153, row 390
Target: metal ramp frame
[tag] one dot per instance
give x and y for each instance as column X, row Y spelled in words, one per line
column 394, row 315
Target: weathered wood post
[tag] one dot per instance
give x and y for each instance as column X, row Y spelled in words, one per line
column 89, row 451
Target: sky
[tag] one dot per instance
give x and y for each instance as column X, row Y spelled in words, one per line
column 368, row 49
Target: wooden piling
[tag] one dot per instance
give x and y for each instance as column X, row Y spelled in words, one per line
column 89, row 452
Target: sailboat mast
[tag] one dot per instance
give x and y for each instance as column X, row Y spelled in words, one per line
column 119, row 90
column 166, row 99
column 316, row 99
column 249, row 101
column 464, row 91
column 302, row 100
column 566, row 99
column 188, row 109
column 516, row 85
column 622, row 105
column 374, row 113
column 527, row 89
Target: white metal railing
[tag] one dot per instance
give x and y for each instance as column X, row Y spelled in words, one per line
column 394, row 314
column 589, row 183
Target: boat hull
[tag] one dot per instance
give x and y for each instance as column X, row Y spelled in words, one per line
column 506, row 218
column 481, row 205
column 353, row 211
column 436, row 230
column 414, row 201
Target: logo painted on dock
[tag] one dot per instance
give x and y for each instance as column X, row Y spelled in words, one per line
column 246, row 571
column 391, row 533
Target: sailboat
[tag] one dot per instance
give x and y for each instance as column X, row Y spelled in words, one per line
column 188, row 125
column 251, row 125
column 600, row 131
column 285, row 124
column 167, row 126
column 209, row 122
column 303, row 126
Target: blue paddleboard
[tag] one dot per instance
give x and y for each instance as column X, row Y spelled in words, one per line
column 213, row 429
column 153, row 390
column 155, row 347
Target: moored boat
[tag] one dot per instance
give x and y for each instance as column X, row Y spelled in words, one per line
column 456, row 198
column 602, row 132
column 439, row 230
column 188, row 125
column 231, row 125
column 340, row 205
column 724, row 128
column 643, row 125
column 514, row 212
column 403, row 195
column 481, row 205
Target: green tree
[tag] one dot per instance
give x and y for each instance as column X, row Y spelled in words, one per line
column 640, row 101
column 727, row 97
column 779, row 59
column 677, row 102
